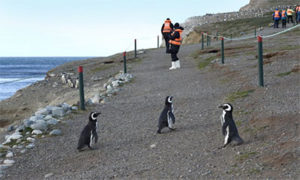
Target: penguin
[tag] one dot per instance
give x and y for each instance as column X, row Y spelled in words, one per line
column 89, row 135
column 229, row 129
column 167, row 118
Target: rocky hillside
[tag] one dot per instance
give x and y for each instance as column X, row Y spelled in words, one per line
column 255, row 9
column 255, row 4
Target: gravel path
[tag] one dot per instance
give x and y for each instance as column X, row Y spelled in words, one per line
column 129, row 147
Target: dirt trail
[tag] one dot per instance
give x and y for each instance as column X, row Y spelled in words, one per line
column 128, row 124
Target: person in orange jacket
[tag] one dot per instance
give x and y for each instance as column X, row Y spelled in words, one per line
column 175, row 41
column 276, row 17
column 283, row 18
column 166, row 30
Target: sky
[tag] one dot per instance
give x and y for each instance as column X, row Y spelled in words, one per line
column 93, row 27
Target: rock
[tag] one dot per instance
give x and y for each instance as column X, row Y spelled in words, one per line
column 115, row 83
column 109, row 88
column 20, row 146
column 36, row 132
column 14, row 136
column 30, row 139
column 8, row 162
column 39, row 125
column 4, row 166
column 30, row 146
column 55, row 84
column 23, row 151
column 140, row 52
column 48, row 175
column 28, row 122
column 9, row 154
column 58, row 111
column 52, row 121
column 74, row 108
column 11, row 128
column 33, row 118
column 65, row 106
column 152, row 146
column 48, row 117
column 95, row 78
column 206, row 173
column 20, row 128
column 43, row 111
column 95, row 99
column 55, row 132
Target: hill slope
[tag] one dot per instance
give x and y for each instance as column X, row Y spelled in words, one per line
column 129, row 148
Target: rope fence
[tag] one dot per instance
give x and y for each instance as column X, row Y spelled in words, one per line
column 260, row 46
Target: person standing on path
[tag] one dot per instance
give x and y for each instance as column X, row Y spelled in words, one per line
column 276, row 18
column 175, row 41
column 290, row 15
column 166, row 31
column 283, row 18
column 298, row 14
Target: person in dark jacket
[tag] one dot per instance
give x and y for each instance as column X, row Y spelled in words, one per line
column 166, row 31
column 175, row 41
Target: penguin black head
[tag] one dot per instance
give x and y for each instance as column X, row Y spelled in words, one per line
column 169, row 100
column 93, row 116
column 226, row 107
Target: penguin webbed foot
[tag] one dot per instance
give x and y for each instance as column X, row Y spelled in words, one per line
column 172, row 129
column 158, row 131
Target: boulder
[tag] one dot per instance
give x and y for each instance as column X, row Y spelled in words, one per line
column 37, row 132
column 8, row 161
column 30, row 146
column 55, row 132
column 95, row 99
column 48, row 117
column 58, row 111
column 28, row 122
column 52, row 121
column 43, row 111
column 115, row 83
column 9, row 154
column 39, row 125
column 30, row 139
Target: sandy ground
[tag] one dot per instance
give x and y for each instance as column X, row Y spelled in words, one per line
column 267, row 118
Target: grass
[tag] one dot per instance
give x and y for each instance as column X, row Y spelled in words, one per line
column 102, row 67
column 254, row 171
column 284, row 74
column 237, row 95
column 245, row 156
column 238, row 123
column 203, row 63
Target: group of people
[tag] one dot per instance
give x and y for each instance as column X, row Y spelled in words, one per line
column 286, row 16
column 173, row 39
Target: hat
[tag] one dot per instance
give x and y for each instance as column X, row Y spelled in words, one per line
column 168, row 18
column 176, row 25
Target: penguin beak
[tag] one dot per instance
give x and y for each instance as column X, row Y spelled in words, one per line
column 96, row 114
column 221, row 106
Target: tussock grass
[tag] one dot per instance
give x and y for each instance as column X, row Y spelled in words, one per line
column 245, row 156
column 237, row 95
column 284, row 74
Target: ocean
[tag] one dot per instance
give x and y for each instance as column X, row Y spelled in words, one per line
column 19, row 72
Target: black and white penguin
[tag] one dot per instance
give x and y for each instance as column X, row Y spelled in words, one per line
column 89, row 135
column 229, row 129
column 167, row 118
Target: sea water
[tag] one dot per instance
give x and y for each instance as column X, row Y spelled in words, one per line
column 19, row 72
